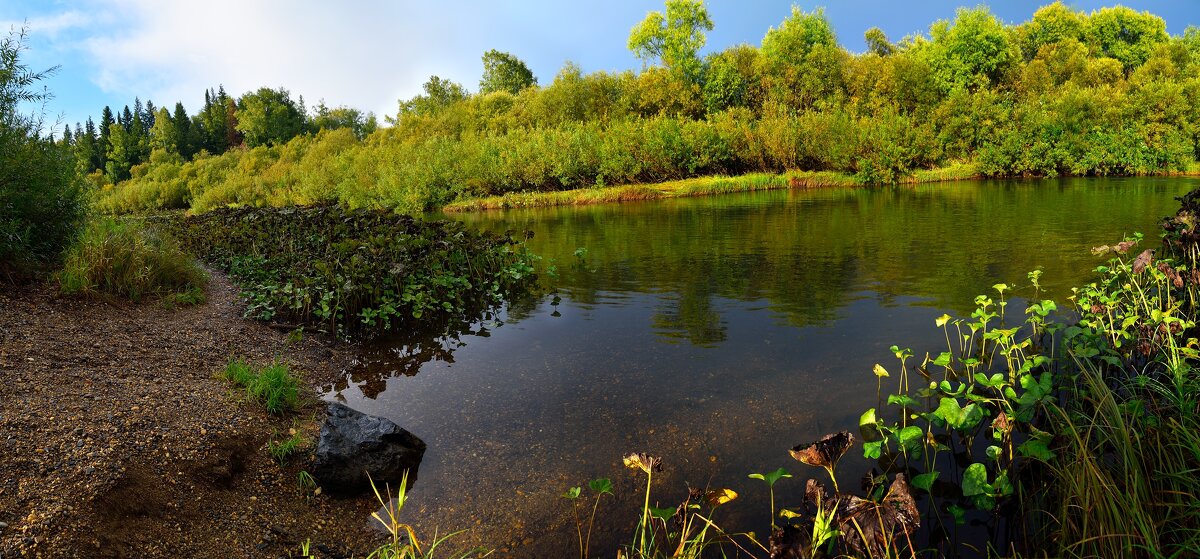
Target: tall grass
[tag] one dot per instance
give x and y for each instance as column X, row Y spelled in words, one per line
column 128, row 259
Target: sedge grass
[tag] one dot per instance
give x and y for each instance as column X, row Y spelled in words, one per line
column 128, row 259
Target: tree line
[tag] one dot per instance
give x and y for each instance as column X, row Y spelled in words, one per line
column 122, row 140
column 1064, row 93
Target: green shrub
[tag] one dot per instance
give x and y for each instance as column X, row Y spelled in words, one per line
column 129, row 259
column 41, row 200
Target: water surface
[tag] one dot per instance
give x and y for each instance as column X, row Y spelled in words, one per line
column 716, row 332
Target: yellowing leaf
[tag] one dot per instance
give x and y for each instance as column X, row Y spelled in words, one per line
column 719, row 496
column 879, row 370
column 942, row 320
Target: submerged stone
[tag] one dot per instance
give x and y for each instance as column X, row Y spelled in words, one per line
column 354, row 445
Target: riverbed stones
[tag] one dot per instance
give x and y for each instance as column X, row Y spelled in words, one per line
column 354, row 445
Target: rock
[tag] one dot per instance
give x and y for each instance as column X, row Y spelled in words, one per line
column 354, row 445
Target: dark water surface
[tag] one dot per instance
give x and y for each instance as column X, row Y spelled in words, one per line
column 716, row 332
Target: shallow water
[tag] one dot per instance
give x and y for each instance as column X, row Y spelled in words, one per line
column 716, row 332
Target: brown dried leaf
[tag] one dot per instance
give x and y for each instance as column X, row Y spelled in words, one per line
column 1143, row 260
column 824, row 452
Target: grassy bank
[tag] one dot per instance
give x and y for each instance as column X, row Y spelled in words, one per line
column 700, row 186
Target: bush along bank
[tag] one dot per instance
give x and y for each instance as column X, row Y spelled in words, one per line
column 355, row 272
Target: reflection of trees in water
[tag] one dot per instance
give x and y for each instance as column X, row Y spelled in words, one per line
column 808, row 254
column 405, row 354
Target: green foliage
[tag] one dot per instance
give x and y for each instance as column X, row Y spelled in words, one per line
column 273, row 386
column 282, row 450
column 504, row 72
column 673, row 37
column 355, row 271
column 1061, row 94
column 797, row 36
column 128, row 259
column 269, row 117
column 973, row 51
column 41, row 200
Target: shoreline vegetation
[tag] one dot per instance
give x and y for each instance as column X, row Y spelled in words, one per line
column 1066, row 93
column 711, row 185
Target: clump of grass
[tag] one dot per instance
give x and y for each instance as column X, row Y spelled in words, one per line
column 953, row 172
column 284, row 449
column 128, row 259
column 404, row 542
column 273, row 386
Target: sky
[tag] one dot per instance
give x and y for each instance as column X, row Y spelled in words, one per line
column 368, row 54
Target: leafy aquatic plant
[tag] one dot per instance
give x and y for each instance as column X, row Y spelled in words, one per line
column 355, row 271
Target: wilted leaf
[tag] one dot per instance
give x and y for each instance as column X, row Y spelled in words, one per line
column 644, row 462
column 716, row 497
column 879, row 371
column 1143, row 260
column 824, row 452
column 942, row 320
column 790, row 542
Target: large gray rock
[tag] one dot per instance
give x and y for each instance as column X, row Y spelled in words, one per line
column 353, row 445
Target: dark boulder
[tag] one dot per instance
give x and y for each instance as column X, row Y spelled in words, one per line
column 354, row 445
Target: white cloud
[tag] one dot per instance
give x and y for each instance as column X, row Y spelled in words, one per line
column 365, row 54
column 50, row 25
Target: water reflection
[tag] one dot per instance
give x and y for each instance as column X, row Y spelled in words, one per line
column 716, row 332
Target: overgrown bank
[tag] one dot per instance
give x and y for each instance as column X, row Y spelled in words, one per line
column 1065, row 93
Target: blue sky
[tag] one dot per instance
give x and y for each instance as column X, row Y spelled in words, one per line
column 370, row 53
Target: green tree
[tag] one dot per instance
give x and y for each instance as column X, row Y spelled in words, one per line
column 164, row 134
column 791, row 43
column 362, row 125
column 504, row 72
column 1049, row 25
column 878, row 43
column 41, row 201
column 269, row 117
column 673, row 37
column 1125, row 34
column 439, row 94
column 972, row 51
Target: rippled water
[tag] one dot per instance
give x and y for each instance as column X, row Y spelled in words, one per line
column 716, row 332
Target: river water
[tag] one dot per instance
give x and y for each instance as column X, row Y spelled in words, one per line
column 715, row 332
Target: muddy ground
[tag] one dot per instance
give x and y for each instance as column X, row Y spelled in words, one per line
column 120, row 440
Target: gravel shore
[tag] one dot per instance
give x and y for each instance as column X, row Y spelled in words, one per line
column 119, row 440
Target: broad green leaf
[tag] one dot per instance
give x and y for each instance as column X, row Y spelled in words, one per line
column 573, row 493
column 867, row 418
column 958, row 513
column 993, row 452
column 601, row 485
column 975, row 480
column 925, row 481
column 911, row 437
column 872, row 450
column 1037, row 448
column 943, row 359
column 662, row 514
column 901, row 400
column 772, row 477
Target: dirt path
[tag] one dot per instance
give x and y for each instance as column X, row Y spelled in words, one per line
column 117, row 440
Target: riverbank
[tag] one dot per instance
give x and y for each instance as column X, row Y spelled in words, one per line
column 120, row 439
column 705, row 186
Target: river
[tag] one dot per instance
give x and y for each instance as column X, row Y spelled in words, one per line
column 715, row 332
